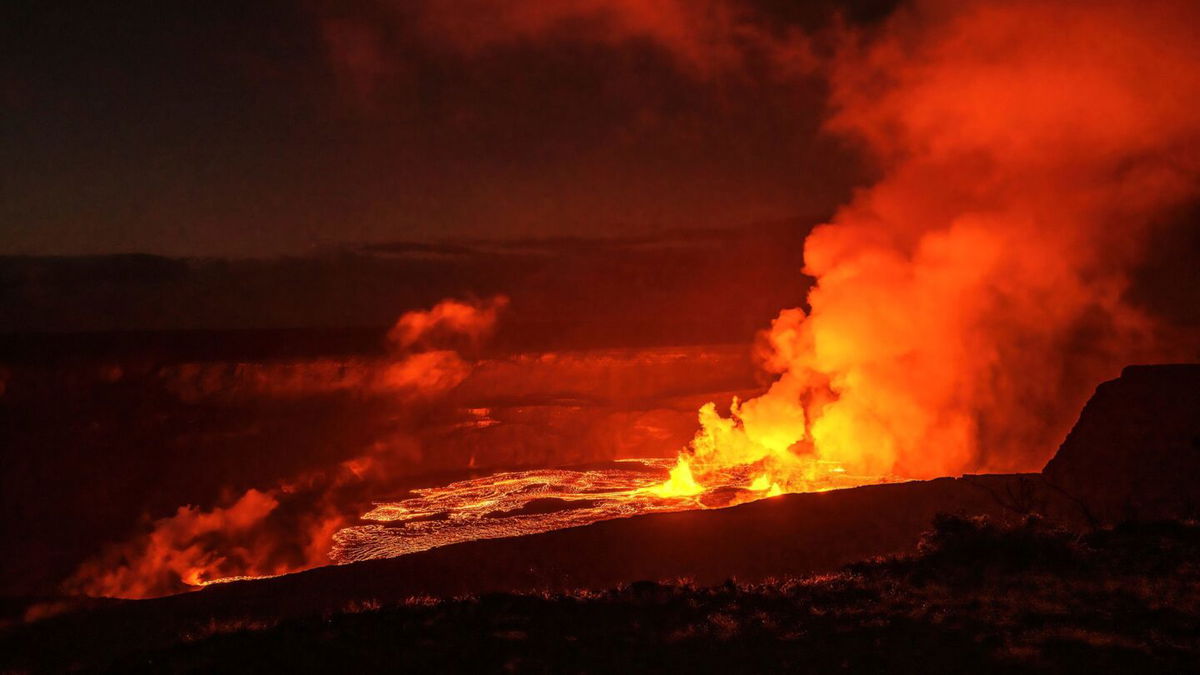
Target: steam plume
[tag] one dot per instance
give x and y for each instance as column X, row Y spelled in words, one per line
column 969, row 300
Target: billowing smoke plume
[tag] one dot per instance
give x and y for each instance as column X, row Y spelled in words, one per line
column 968, row 301
column 290, row 526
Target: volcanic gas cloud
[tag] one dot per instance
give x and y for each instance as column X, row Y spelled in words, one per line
column 968, row 301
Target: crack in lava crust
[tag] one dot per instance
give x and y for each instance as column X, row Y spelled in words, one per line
column 529, row 502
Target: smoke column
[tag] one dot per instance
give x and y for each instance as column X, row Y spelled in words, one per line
column 968, row 301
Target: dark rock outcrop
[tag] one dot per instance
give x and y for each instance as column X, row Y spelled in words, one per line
column 1134, row 454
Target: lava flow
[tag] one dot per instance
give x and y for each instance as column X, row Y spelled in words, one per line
column 528, row 502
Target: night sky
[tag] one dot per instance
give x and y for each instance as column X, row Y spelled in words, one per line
column 257, row 129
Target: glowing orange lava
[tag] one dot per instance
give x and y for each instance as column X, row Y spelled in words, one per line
column 528, row 502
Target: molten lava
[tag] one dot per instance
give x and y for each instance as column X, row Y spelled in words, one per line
column 528, row 502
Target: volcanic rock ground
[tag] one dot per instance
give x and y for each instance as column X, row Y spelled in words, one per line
column 977, row 598
column 1135, row 452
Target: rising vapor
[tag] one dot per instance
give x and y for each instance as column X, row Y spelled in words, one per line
column 968, row 301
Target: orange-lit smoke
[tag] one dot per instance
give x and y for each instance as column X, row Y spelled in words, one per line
column 427, row 358
column 968, row 301
column 288, row 527
column 180, row 549
column 449, row 319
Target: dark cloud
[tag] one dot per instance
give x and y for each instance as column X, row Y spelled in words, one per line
column 222, row 129
column 566, row 292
